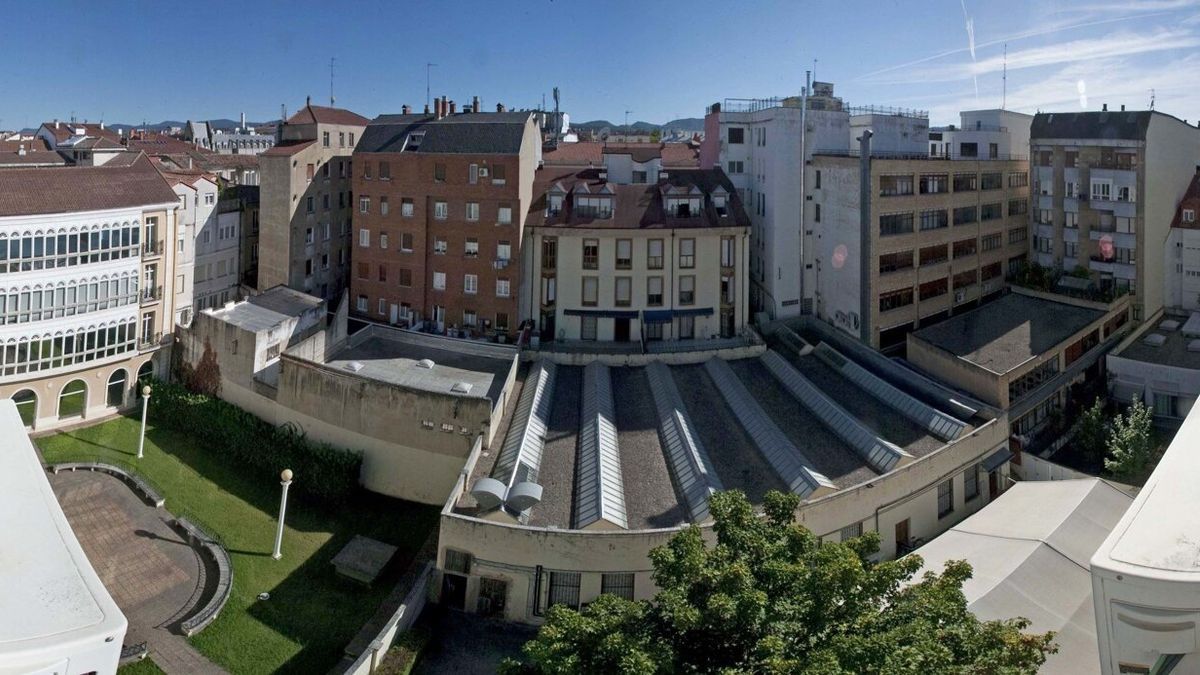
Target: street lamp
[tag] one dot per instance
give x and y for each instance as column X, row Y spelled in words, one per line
column 285, row 479
column 145, row 404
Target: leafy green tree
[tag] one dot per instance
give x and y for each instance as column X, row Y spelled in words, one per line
column 1091, row 431
column 1131, row 443
column 769, row 597
column 655, row 135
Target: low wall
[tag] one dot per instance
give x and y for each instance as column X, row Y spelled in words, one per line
column 401, row 621
column 1033, row 467
column 679, row 358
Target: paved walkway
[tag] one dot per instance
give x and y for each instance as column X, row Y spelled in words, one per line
column 154, row 576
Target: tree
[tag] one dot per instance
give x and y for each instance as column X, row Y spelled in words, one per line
column 655, row 135
column 770, row 597
column 1130, row 443
column 1091, row 431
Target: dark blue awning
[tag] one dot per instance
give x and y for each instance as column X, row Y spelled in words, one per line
column 694, row 311
column 996, row 459
column 603, row 313
column 656, row 316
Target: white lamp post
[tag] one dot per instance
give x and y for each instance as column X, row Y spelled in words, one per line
column 285, row 479
column 145, row 404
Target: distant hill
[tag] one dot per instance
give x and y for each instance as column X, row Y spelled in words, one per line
column 684, row 124
column 164, row 125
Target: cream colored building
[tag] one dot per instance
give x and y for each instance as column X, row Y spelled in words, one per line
column 305, row 202
column 88, row 296
column 927, row 238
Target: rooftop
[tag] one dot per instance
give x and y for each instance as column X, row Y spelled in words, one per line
column 481, row 133
column 1096, row 125
column 39, row 191
column 317, row 114
column 268, row 309
column 394, row 356
column 1190, row 201
column 591, row 153
column 1029, row 551
column 1007, row 332
column 46, row 574
column 1173, row 351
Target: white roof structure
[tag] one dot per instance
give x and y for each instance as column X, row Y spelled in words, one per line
column 55, row 614
column 1029, row 550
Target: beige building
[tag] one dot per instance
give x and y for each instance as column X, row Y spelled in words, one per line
column 306, row 202
column 1107, row 185
column 637, row 262
column 87, row 302
column 1030, row 354
column 927, row 238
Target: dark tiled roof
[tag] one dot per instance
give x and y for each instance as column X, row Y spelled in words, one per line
column 462, row 133
column 314, row 114
column 67, row 190
column 1007, row 332
column 591, row 153
column 639, row 206
column 1105, row 125
column 1191, row 200
column 37, row 152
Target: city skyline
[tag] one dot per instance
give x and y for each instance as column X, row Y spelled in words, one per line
column 1057, row 56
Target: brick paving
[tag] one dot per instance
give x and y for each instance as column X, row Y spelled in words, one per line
column 154, row 576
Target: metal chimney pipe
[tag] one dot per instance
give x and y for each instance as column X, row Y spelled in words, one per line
column 453, row 108
column 474, row 104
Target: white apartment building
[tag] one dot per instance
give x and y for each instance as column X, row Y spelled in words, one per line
column 983, row 134
column 86, row 287
column 1182, row 265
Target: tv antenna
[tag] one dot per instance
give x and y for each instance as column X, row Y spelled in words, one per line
column 1152, row 99
column 331, row 99
column 1004, row 99
column 627, row 121
column 427, row 67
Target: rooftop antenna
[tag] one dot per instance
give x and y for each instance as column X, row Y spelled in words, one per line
column 427, row 67
column 331, row 100
column 814, row 76
column 557, row 117
column 1004, row 98
column 627, row 122
column 1152, row 99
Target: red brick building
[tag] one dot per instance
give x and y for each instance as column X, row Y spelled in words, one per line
column 440, row 207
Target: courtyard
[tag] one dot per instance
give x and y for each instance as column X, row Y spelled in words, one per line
column 311, row 614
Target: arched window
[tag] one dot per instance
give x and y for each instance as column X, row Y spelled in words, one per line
column 116, row 389
column 145, row 373
column 72, row 400
column 26, row 402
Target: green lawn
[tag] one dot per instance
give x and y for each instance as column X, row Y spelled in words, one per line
column 143, row 667
column 311, row 614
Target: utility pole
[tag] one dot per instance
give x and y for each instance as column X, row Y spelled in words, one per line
column 627, row 123
column 427, row 67
column 331, row 100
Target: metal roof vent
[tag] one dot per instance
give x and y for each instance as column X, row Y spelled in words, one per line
column 425, row 363
column 354, row 366
column 488, row 493
column 523, row 496
column 1170, row 325
column 1194, row 346
column 1155, row 340
column 461, row 388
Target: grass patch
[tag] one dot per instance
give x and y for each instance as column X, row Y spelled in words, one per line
column 143, row 667
column 312, row 614
column 405, row 651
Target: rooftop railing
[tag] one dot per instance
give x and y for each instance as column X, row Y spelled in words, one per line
column 894, row 154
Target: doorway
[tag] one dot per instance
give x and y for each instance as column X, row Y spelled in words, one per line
column 902, row 538
column 621, row 330
column 454, row 591
column 993, row 485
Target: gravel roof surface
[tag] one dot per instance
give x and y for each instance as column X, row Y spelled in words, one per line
column 885, row 421
column 828, row 453
column 557, row 473
column 650, row 497
column 737, row 460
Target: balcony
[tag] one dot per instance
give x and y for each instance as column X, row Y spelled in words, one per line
column 1119, row 270
column 1044, row 230
column 151, row 294
column 152, row 248
column 1118, row 239
column 151, row 341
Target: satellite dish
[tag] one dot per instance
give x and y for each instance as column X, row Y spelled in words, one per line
column 523, row 496
column 488, row 493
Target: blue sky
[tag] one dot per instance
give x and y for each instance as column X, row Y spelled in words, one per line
column 134, row 61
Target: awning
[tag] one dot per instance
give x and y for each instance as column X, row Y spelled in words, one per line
column 694, row 311
column 656, row 316
column 603, row 313
column 996, row 459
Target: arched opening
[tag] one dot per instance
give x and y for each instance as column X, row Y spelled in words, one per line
column 116, row 389
column 26, row 402
column 145, row 373
column 72, row 400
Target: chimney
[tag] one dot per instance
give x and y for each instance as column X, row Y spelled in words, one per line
column 404, row 109
column 243, row 121
column 474, row 104
column 437, row 109
column 426, row 108
column 307, row 101
column 101, row 124
column 55, row 122
column 1122, row 107
column 453, row 108
column 499, row 107
column 445, row 107
column 1104, row 108
column 21, row 150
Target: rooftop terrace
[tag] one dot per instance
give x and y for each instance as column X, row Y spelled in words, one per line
column 1171, row 349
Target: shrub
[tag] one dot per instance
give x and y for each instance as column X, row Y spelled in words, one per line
column 327, row 474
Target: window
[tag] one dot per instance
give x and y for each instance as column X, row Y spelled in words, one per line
column 441, row 210
column 26, row 402
column 991, row 242
column 992, row 181
column 618, row 584
column 964, row 248
column 934, row 183
column 364, row 204
column 439, row 281
column 991, row 211
column 639, row 177
column 383, row 240
column 364, row 270
column 309, row 171
column 851, row 531
column 473, row 174
column 1123, row 194
column 439, row 246
column 471, row 248
column 624, row 254
column 687, row 290
column 1018, row 235
column 325, row 139
column 361, row 303
column 439, row 172
column 501, row 321
column 687, row 253
column 591, row 254
column 504, row 215
column 383, row 206
column 654, row 291
column 624, row 291
column 654, row 254
column 892, row 186
column 1101, row 190
column 934, row 219
column 736, row 168
column 968, row 149
column 469, row 317
column 406, row 242
column 503, row 250
column 933, row 289
column 727, row 252
column 382, row 273
column 472, row 210
column 385, row 171
column 1018, row 207
column 817, row 180
column 1189, row 215
column 895, row 223
column 341, row 139
column 945, row 498
column 964, row 279
column 308, row 235
column 1018, row 179
column 587, row 328
column 737, row 135
column 966, row 182
column 310, row 204
column 591, row 291
column 382, row 307
column 406, row 207
column 503, row 289
column 965, row 215
column 891, row 262
column 932, row 255
column 405, row 277
column 364, row 238
column 895, row 299
column 498, row 174
column 593, row 207
column 366, row 170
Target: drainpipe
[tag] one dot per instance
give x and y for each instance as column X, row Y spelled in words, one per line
column 864, row 226
column 802, row 291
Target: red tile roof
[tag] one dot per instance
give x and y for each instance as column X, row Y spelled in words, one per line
column 1191, row 200
column 26, row 192
column 37, row 151
column 288, row 148
column 316, row 114
column 65, row 130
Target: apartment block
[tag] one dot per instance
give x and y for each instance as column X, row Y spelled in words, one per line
column 901, row 242
column 986, row 134
column 87, row 263
column 439, row 214
column 306, row 199
column 1182, row 264
column 1107, row 185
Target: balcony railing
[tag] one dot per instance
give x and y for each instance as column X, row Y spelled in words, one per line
column 152, row 294
column 152, row 247
column 894, row 154
column 150, row 341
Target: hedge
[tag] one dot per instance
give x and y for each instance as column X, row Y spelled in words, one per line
column 324, row 473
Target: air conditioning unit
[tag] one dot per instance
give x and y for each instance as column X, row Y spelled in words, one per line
column 959, row 296
column 483, row 172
